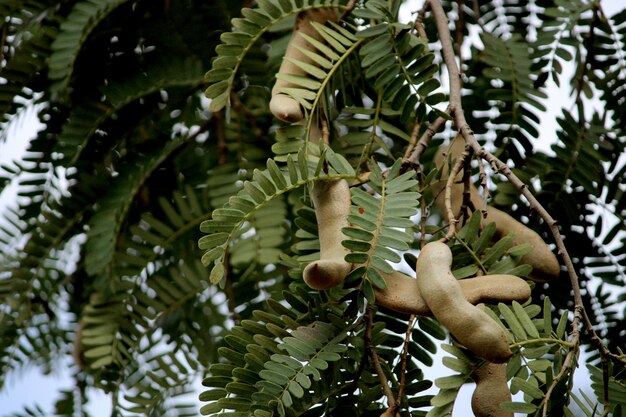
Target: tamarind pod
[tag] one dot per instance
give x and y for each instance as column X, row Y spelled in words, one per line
column 285, row 108
column 470, row 325
column 496, row 288
column 331, row 199
column 543, row 261
column 282, row 106
column 491, row 390
column 403, row 296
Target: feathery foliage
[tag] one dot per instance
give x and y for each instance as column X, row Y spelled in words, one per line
column 154, row 232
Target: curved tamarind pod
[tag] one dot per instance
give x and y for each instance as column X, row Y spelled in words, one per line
column 331, row 199
column 402, row 293
column 282, row 106
column 544, row 263
column 491, row 390
column 470, row 325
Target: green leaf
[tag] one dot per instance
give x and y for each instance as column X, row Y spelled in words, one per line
column 497, row 250
column 471, row 231
column 356, row 246
column 254, row 191
column 521, row 250
column 376, row 278
column 274, row 377
column 381, row 264
column 357, row 258
column 525, row 320
column 266, row 184
column 362, row 223
column 450, row 382
column 428, row 87
column 227, row 215
column 561, row 327
column 357, row 233
column 444, row 397
column 217, row 273
column 512, row 321
column 300, row 81
column 98, row 352
column 547, row 317
column 212, row 255
column 457, row 365
column 295, row 389
column 319, row 364
column 312, row 70
column 518, row 407
column 328, row 52
column 518, row 384
column 372, row 31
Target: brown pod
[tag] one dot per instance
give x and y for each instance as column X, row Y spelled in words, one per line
column 544, row 263
column 331, row 199
column 491, row 390
column 470, row 325
column 403, row 295
column 282, row 105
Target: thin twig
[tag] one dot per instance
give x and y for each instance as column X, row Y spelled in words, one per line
column 425, row 140
column 222, row 149
column 218, row 117
column 3, row 38
column 230, row 293
column 404, row 360
column 412, row 140
column 590, row 41
column 565, row 367
column 349, row 7
column 375, row 359
column 466, row 205
column 482, row 177
column 419, row 21
column 459, row 25
column 325, row 130
column 454, row 172
column 476, row 9
column 241, row 108
column 423, row 209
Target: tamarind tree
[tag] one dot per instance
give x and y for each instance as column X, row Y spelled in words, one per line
column 300, row 202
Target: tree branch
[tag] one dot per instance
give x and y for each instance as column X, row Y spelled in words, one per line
column 405, row 357
column 454, row 172
column 425, row 140
column 412, row 140
column 456, row 109
column 376, row 360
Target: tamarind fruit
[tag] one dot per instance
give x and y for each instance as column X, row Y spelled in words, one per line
column 402, row 293
column 331, row 199
column 283, row 106
column 544, row 263
column 491, row 390
column 470, row 325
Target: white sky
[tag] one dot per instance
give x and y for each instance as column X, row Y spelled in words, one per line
column 31, row 387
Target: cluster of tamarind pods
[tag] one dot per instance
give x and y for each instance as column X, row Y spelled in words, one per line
column 456, row 304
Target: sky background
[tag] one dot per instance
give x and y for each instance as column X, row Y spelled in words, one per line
column 30, row 387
